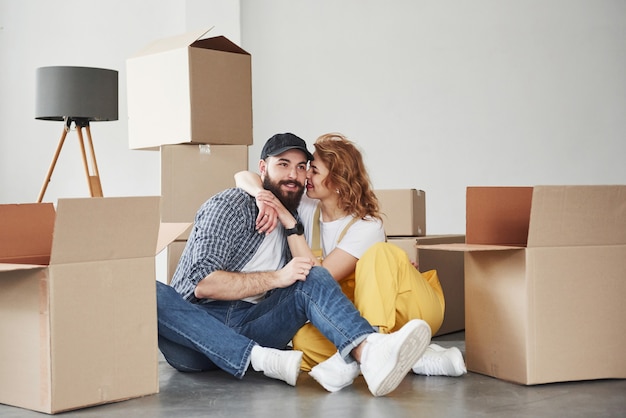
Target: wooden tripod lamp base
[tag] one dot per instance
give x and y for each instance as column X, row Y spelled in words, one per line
column 91, row 166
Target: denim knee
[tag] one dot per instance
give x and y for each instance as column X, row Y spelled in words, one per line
column 320, row 276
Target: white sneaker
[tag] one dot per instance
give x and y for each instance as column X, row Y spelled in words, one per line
column 439, row 361
column 335, row 374
column 282, row 364
column 387, row 358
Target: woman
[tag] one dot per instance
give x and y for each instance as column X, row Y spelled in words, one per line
column 343, row 231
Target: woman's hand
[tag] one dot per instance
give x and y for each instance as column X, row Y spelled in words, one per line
column 272, row 206
column 267, row 220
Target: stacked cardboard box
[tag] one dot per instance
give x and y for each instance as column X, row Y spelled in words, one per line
column 190, row 97
column 403, row 211
column 77, row 301
column 404, row 215
column 189, row 90
column 544, row 279
column 191, row 174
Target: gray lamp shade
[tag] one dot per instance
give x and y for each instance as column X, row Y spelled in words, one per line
column 76, row 92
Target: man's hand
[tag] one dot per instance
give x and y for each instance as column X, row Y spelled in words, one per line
column 297, row 269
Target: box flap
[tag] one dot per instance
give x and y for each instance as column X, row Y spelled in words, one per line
column 13, row 267
column 440, row 239
column 174, row 42
column 168, row 232
column 468, row 247
column 26, row 236
column 219, row 43
column 93, row 229
column 498, row 215
column 578, row 215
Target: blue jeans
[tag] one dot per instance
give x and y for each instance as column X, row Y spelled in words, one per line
column 221, row 334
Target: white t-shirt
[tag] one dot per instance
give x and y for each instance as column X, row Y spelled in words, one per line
column 360, row 236
column 265, row 257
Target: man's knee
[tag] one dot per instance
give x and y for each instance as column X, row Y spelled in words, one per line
column 182, row 358
column 321, row 277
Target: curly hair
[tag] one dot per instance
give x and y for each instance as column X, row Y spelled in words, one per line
column 347, row 174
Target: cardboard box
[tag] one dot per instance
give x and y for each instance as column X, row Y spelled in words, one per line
column 191, row 174
column 174, row 251
column 186, row 89
column 450, row 270
column 403, row 211
column 545, row 271
column 78, row 303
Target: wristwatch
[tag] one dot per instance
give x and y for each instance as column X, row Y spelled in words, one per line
column 298, row 229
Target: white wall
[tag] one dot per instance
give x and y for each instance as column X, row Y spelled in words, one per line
column 445, row 94
column 91, row 33
column 439, row 94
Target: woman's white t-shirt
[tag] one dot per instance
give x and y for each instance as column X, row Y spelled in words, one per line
column 360, row 236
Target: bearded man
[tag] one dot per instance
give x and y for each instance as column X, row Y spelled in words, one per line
column 237, row 297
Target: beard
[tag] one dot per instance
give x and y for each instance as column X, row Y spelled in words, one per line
column 290, row 200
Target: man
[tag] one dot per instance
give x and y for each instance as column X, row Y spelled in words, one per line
column 237, row 298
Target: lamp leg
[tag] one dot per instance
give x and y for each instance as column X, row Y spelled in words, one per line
column 52, row 165
column 92, row 180
column 95, row 177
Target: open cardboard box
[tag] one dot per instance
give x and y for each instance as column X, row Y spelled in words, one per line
column 77, row 301
column 545, row 279
column 189, row 89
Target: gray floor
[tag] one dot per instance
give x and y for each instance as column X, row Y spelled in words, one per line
column 473, row 395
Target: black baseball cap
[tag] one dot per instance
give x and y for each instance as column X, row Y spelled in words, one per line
column 280, row 143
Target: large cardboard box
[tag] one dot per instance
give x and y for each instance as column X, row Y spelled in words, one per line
column 191, row 174
column 174, row 252
column 78, row 303
column 545, row 279
column 189, row 89
column 450, row 270
column 403, row 211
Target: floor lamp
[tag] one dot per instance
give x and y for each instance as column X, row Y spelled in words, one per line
column 78, row 95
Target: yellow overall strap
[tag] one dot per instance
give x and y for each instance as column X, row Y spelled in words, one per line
column 316, row 246
column 316, row 241
column 347, row 284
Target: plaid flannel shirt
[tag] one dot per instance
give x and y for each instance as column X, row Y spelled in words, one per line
column 223, row 238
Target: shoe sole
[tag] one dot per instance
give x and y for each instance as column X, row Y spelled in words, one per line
column 415, row 343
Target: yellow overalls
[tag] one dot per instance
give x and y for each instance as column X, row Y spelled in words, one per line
column 387, row 290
